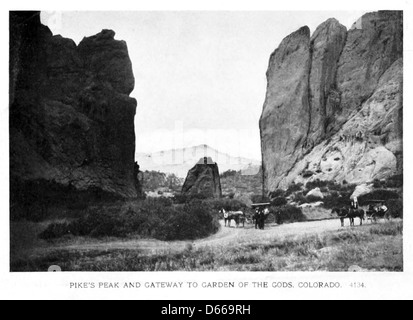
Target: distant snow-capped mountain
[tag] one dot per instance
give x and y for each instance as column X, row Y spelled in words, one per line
column 180, row 161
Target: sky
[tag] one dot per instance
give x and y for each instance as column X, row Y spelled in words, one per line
column 200, row 76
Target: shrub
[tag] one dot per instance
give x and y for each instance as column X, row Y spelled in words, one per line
column 55, row 230
column 229, row 173
column 231, row 195
column 377, row 184
column 182, row 198
column 289, row 214
column 380, row 194
column 279, row 201
column 395, row 208
column 259, row 199
column 395, row 181
column 337, row 200
column 345, row 187
column 227, row 204
column 294, row 187
column 195, row 221
column 277, row 193
column 300, row 198
column 316, row 184
column 156, row 218
column 313, row 198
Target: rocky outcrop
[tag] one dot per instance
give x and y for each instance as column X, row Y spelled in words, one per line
column 327, row 44
column 362, row 190
column 203, row 179
column 71, row 117
column 315, row 193
column 352, row 109
column 286, row 116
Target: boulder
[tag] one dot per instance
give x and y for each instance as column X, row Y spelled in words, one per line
column 203, row 179
column 316, row 193
column 362, row 190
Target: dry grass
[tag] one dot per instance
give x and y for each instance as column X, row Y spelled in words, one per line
column 318, row 213
column 373, row 247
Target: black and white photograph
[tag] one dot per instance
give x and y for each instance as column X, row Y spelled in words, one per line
column 206, row 141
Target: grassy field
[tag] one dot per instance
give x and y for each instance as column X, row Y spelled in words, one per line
column 376, row 247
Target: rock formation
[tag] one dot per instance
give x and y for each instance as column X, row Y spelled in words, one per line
column 315, row 193
column 333, row 109
column 71, row 117
column 203, row 179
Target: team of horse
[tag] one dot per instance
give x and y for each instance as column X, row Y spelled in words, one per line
column 373, row 214
column 259, row 217
column 240, row 217
column 351, row 214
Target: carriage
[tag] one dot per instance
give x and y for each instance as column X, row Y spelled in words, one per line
column 376, row 211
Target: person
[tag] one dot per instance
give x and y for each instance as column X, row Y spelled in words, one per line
column 354, row 203
column 257, row 218
column 262, row 219
column 383, row 208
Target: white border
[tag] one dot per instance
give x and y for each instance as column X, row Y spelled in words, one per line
column 56, row 286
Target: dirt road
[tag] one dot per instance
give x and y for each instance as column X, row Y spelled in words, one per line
column 224, row 237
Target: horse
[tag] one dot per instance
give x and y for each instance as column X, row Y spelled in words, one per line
column 342, row 213
column 237, row 216
column 356, row 213
column 351, row 214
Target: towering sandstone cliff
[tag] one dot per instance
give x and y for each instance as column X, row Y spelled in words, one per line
column 333, row 108
column 71, row 117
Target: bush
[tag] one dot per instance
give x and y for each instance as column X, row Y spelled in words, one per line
column 316, row 184
column 55, row 230
column 229, row 173
column 378, row 184
column 294, row 187
column 194, row 222
column 289, row 214
column 395, row 208
column 279, row 201
column 345, row 187
column 380, row 194
column 277, row 193
column 312, row 198
column 259, row 199
column 231, row 195
column 156, row 218
column 337, row 200
column 182, row 198
column 395, row 181
column 300, row 198
column 227, row 204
